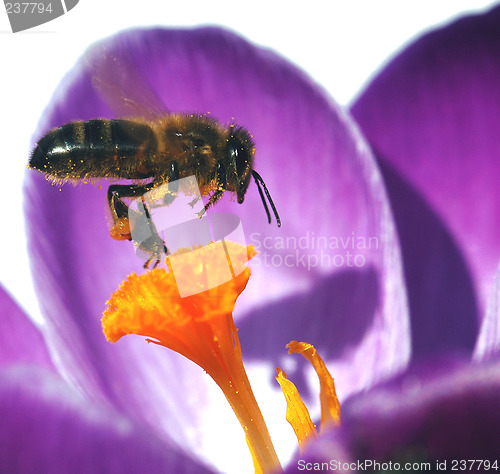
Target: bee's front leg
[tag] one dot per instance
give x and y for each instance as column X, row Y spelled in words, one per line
column 213, row 199
column 221, row 187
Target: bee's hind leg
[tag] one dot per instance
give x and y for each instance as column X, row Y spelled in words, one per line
column 119, row 209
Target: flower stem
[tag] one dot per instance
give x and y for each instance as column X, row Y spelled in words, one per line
column 238, row 392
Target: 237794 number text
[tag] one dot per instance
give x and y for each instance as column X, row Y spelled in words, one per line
column 473, row 465
column 28, row 7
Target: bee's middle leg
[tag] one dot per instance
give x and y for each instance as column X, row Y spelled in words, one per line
column 154, row 244
column 173, row 183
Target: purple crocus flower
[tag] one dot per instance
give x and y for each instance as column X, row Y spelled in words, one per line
column 371, row 267
column 352, row 289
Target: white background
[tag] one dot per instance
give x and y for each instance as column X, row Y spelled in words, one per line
column 341, row 44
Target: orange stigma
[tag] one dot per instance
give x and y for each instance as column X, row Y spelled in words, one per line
column 199, row 326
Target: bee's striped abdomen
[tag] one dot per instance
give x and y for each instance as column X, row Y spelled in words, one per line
column 96, row 149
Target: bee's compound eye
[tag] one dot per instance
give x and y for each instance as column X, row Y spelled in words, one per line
column 242, row 161
column 240, row 154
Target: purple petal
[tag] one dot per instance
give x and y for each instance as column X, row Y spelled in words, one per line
column 488, row 342
column 432, row 118
column 20, row 340
column 324, row 182
column 47, row 427
column 424, row 417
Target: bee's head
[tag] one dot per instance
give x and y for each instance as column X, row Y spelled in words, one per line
column 240, row 153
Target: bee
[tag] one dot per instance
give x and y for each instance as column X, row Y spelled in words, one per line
column 152, row 153
column 150, row 146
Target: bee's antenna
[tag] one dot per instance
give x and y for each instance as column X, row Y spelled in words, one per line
column 263, row 200
column 259, row 181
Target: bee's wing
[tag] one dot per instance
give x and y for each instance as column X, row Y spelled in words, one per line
column 124, row 87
